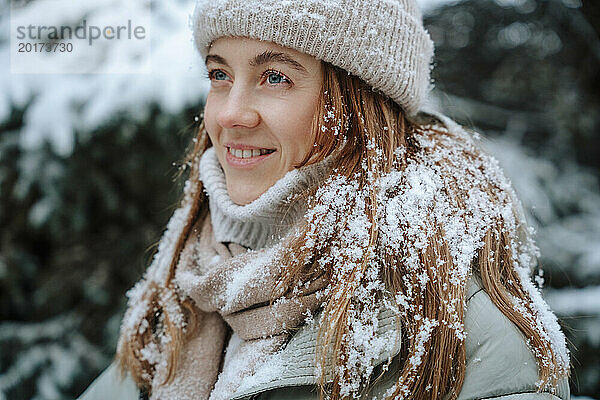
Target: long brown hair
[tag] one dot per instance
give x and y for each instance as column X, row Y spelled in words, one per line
column 362, row 130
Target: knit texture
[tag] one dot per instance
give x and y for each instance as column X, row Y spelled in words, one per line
column 383, row 42
column 231, row 287
column 265, row 220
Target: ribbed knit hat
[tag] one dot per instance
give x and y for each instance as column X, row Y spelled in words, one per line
column 381, row 41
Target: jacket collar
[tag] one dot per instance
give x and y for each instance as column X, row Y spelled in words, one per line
column 295, row 364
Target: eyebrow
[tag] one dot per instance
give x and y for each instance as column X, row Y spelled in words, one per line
column 262, row 58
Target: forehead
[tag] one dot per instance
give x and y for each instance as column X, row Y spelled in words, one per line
column 240, row 48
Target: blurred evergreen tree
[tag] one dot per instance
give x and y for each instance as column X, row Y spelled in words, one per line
column 530, row 65
column 77, row 232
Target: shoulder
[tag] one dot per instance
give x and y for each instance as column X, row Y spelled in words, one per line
column 438, row 119
column 499, row 362
column 111, row 385
column 442, row 165
column 440, row 138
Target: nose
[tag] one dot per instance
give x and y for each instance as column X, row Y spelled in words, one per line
column 238, row 111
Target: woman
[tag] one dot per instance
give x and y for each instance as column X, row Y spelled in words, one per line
column 333, row 241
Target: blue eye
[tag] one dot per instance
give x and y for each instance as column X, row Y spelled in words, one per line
column 218, row 75
column 276, row 77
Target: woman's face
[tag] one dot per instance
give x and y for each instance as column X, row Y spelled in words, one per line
column 259, row 111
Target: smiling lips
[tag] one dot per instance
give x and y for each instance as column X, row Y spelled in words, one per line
column 246, row 157
column 248, row 153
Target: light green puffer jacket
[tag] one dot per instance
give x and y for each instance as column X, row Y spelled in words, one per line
column 499, row 363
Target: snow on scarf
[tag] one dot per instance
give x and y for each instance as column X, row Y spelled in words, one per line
column 230, row 285
column 414, row 203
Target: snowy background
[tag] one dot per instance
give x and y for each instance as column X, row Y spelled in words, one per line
column 88, row 169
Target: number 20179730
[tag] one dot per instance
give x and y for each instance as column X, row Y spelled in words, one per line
column 26, row 47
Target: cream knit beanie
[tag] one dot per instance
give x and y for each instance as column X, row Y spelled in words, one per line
column 381, row 41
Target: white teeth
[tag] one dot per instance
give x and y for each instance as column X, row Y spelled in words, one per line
column 248, row 153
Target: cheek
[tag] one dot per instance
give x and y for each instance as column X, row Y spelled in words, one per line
column 298, row 130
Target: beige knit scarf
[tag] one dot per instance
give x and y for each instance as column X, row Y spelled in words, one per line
column 231, row 286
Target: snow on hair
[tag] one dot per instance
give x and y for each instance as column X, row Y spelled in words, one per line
column 410, row 211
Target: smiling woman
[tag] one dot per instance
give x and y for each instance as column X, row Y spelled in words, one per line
column 334, row 239
column 254, row 84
